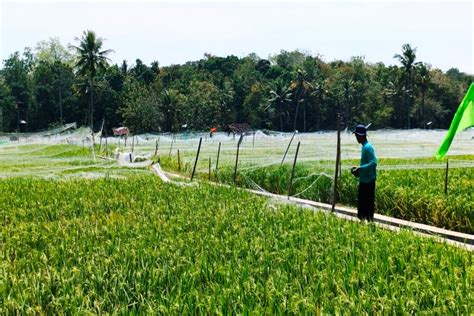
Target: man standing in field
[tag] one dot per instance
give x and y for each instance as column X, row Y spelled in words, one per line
column 367, row 175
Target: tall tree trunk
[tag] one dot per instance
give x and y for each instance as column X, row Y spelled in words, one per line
column 409, row 106
column 91, row 80
column 296, row 115
column 304, row 118
column 60, row 106
column 423, row 106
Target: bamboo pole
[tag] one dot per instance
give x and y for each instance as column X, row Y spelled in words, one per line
column 218, row 154
column 209, row 168
column 106, row 148
column 338, row 154
column 171, row 146
column 197, row 156
column 446, row 178
column 290, row 184
column 287, row 148
column 237, row 156
column 179, row 162
column 156, row 145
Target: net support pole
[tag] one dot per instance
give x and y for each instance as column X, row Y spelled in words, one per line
column 197, row 156
column 290, row 183
column 446, row 177
column 338, row 155
column 287, row 148
column 171, row 146
column 218, row 154
column 179, row 162
column 93, row 146
column 237, row 156
column 157, row 143
column 209, row 168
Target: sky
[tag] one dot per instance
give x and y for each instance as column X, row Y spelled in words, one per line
column 174, row 32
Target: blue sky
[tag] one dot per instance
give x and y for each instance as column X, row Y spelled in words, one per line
column 183, row 30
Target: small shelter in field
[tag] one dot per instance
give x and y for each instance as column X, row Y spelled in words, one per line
column 121, row 131
column 239, row 128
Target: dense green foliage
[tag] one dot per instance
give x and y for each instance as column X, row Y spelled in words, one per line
column 414, row 195
column 141, row 246
column 290, row 90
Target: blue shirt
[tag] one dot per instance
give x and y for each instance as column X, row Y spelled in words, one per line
column 368, row 164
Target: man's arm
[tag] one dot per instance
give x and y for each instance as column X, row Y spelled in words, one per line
column 372, row 160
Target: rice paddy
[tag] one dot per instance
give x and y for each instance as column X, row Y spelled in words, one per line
column 138, row 245
column 82, row 235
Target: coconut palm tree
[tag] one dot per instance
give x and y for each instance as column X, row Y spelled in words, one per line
column 280, row 96
column 90, row 59
column 423, row 79
column 407, row 59
column 300, row 87
column 318, row 93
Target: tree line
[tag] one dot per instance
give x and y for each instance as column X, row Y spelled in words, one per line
column 52, row 85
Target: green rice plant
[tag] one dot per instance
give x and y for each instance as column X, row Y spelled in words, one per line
column 139, row 246
column 412, row 194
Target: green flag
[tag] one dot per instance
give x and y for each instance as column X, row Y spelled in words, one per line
column 463, row 119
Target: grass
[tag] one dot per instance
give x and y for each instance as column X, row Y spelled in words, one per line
column 140, row 246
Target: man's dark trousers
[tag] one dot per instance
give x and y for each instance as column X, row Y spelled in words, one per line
column 366, row 201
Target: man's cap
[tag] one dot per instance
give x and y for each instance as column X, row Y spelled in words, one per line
column 360, row 130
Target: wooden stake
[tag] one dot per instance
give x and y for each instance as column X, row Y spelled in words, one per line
column 156, row 145
column 171, row 146
column 446, row 178
column 290, row 184
column 209, row 168
column 237, row 156
column 197, row 156
column 133, row 142
column 336, row 171
column 287, row 148
column 179, row 162
column 106, row 148
column 218, row 154
column 93, row 146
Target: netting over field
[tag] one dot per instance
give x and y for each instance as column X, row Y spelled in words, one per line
column 257, row 149
column 263, row 149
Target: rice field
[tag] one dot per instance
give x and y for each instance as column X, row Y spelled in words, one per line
column 81, row 234
column 137, row 245
column 412, row 194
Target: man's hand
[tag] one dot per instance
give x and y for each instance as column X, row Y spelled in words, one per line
column 355, row 171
